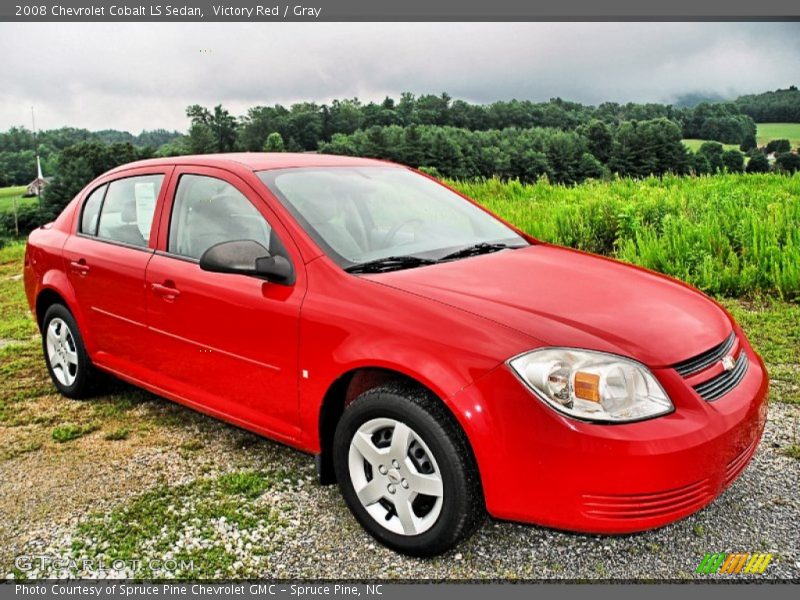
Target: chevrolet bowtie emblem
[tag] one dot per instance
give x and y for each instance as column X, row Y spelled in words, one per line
column 728, row 363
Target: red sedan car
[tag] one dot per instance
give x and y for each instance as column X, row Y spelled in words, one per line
column 438, row 362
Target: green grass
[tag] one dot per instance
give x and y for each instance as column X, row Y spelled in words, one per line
column 773, row 328
column 159, row 522
column 9, row 194
column 119, row 434
column 71, row 431
column 729, row 235
column 778, row 131
column 765, row 132
column 192, row 445
column 694, row 145
column 15, row 318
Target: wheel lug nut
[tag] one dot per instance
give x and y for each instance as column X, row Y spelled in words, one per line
column 395, row 464
column 383, row 470
column 391, row 489
column 404, row 483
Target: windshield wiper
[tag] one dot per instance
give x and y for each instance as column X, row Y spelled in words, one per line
column 475, row 249
column 390, row 263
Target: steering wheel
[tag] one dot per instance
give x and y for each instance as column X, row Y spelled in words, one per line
column 390, row 235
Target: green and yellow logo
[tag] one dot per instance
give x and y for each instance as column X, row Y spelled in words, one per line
column 734, row 564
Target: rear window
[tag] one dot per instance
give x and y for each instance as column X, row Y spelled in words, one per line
column 127, row 209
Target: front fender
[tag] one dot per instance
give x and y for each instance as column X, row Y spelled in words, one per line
column 445, row 378
column 348, row 323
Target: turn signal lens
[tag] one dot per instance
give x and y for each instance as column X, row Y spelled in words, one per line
column 587, row 386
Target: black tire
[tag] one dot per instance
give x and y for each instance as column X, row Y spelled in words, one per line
column 86, row 377
column 462, row 509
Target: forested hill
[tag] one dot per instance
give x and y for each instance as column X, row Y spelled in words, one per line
column 780, row 106
column 17, row 156
column 563, row 140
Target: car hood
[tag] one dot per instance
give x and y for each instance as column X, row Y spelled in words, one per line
column 563, row 297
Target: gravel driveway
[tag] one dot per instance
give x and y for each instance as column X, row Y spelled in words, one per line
column 291, row 527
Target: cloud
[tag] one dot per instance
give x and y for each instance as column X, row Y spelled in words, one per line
column 143, row 75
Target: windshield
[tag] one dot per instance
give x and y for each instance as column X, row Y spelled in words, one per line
column 365, row 214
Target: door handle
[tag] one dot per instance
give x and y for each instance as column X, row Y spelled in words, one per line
column 79, row 266
column 166, row 290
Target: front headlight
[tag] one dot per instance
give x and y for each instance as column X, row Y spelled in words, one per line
column 593, row 386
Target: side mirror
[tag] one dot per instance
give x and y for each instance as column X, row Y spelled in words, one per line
column 275, row 268
column 247, row 257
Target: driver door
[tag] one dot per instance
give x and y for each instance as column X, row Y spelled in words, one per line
column 224, row 343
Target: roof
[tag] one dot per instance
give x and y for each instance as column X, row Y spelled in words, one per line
column 260, row 161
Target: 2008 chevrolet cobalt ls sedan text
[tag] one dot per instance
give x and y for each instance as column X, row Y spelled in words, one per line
column 438, row 362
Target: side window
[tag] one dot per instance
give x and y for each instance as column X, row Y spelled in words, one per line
column 208, row 211
column 91, row 210
column 128, row 208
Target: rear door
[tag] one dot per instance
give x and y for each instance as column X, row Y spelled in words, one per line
column 106, row 259
column 226, row 342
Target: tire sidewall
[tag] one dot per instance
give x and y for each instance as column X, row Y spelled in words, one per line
column 78, row 389
column 455, row 500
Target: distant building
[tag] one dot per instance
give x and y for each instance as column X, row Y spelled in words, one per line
column 36, row 186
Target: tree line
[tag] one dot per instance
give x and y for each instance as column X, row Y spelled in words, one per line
column 780, row 106
column 567, row 142
column 305, row 126
column 18, row 148
column 594, row 151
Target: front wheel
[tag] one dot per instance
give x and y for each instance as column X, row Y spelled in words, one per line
column 406, row 471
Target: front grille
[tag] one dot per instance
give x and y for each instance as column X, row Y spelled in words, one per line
column 718, row 386
column 642, row 506
column 706, row 359
column 721, row 384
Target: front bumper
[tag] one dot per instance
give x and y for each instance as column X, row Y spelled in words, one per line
column 538, row 466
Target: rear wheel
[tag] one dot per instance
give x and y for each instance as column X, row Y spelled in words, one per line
column 406, row 471
column 65, row 355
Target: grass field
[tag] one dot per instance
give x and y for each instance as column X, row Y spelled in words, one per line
column 9, row 194
column 764, row 133
column 778, row 131
column 694, row 145
column 729, row 235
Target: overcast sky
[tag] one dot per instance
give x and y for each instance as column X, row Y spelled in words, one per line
column 132, row 76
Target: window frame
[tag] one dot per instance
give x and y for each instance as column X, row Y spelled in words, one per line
column 84, row 202
column 260, row 203
column 107, row 180
column 173, row 204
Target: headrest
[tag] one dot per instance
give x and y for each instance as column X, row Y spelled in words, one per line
column 217, row 208
column 320, row 209
column 128, row 214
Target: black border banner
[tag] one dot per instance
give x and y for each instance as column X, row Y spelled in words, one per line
column 402, row 11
